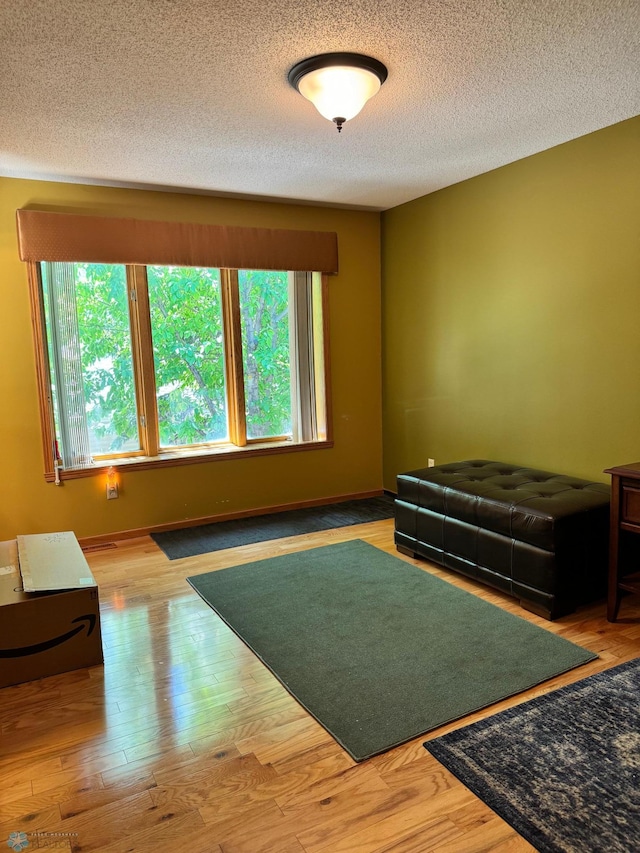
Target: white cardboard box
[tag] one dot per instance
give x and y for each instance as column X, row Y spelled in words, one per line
column 49, row 608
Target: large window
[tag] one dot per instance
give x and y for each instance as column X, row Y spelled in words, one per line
column 148, row 363
column 158, row 343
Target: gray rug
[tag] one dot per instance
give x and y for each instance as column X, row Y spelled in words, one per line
column 260, row 528
column 562, row 769
column 378, row 650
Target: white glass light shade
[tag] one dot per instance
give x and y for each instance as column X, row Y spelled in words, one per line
column 338, row 84
column 339, row 92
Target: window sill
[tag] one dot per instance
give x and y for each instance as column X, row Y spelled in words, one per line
column 174, row 458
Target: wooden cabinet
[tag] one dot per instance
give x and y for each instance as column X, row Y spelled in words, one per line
column 625, row 521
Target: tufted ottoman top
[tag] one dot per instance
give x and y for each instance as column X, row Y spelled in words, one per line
column 523, row 503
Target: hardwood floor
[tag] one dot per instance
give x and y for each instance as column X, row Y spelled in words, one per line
column 184, row 741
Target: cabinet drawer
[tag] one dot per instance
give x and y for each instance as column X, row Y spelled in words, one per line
column 630, row 509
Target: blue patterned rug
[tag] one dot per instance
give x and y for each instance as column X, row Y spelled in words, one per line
column 562, row 769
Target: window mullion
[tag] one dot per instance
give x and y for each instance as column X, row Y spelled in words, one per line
column 234, row 370
column 143, row 364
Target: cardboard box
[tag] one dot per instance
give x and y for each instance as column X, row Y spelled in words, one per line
column 49, row 608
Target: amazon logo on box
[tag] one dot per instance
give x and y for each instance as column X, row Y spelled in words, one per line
column 49, row 608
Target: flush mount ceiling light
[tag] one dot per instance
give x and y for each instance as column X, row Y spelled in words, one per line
column 338, row 84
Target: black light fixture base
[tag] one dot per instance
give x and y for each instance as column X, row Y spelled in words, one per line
column 339, row 122
column 325, row 60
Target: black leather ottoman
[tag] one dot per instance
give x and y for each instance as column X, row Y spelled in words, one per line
column 539, row 536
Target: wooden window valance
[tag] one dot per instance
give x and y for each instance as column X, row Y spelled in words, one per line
column 47, row 236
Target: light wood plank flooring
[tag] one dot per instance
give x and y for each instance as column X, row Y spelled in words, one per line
column 184, row 741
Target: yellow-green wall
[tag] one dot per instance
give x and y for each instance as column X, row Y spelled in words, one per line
column 511, row 314
column 148, row 498
column 510, row 310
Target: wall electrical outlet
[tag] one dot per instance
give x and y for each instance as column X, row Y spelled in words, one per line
column 112, row 491
column 431, row 463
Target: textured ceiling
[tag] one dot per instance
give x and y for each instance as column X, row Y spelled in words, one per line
column 193, row 94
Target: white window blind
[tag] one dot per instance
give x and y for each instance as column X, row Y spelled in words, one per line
column 65, row 353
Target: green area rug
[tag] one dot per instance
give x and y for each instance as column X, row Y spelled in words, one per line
column 378, row 650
